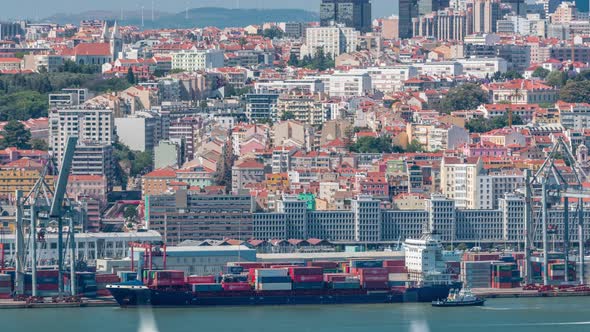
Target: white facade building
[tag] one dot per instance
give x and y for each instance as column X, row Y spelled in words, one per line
column 482, row 67
column 90, row 125
column 348, row 85
column 194, row 60
column 335, row 40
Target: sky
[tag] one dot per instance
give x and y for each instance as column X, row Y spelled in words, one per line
column 43, row 8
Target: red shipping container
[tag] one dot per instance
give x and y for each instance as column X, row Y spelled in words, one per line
column 325, row 265
column 373, row 278
column 47, row 273
column 5, row 284
column 373, row 271
column 299, row 271
column 397, row 262
column 308, row 278
column 47, row 287
column 330, row 277
column 103, row 292
column 396, row 269
column 5, row 296
column 248, row 265
column 236, row 286
column 200, row 279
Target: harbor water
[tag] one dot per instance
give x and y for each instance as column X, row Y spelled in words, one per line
column 522, row 314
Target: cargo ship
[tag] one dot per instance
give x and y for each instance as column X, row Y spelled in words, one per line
column 274, row 285
column 409, row 279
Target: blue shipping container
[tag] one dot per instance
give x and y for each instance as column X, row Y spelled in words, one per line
column 345, row 285
column 308, row 285
column 274, row 280
column 366, row 264
column 207, row 288
column 233, row 269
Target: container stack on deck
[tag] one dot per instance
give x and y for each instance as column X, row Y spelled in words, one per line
column 5, row 286
column 127, row 276
column 271, row 279
column 166, row 278
column 307, row 277
column 342, row 281
column 102, row 280
column 371, row 274
column 397, row 272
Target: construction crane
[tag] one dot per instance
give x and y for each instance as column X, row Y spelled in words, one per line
column 549, row 184
column 40, row 201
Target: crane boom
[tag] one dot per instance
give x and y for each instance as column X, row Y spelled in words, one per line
column 62, row 179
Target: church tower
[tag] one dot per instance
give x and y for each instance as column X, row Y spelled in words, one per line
column 116, row 42
column 104, row 36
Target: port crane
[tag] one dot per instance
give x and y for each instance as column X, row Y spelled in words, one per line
column 550, row 185
column 45, row 202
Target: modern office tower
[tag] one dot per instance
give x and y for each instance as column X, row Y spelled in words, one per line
column 351, row 13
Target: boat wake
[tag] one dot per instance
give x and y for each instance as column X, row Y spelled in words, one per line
column 545, row 324
column 147, row 323
column 508, row 309
column 419, row 326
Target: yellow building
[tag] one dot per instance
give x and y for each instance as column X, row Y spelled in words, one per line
column 157, row 182
column 21, row 174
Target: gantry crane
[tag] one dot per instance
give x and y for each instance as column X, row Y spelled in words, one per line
column 43, row 200
column 551, row 186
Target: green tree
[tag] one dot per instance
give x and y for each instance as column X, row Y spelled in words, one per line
column 462, row 246
column 293, row 60
column 482, row 125
column 130, row 76
column 39, row 144
column 415, row 146
column 176, row 71
column 367, row 144
column 22, row 105
column 540, row 72
column 272, row 33
column 14, row 134
column 287, row 116
column 464, row 97
column 556, row 78
column 130, row 212
column 575, row 92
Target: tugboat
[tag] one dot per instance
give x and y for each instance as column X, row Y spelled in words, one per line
column 463, row 298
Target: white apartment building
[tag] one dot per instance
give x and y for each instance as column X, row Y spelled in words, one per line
column 440, row 68
column 347, row 85
column 335, row 40
column 90, row 125
column 458, row 180
column 194, row 60
column 388, row 79
column 482, row 67
column 285, row 86
column 492, row 187
column 446, row 137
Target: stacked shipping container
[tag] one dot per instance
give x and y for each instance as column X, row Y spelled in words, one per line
column 5, row 286
column 102, row 280
column 307, row 277
column 476, row 274
column 505, row 275
column 272, row 279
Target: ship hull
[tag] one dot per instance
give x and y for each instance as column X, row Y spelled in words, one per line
column 443, row 304
column 129, row 297
column 429, row 293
